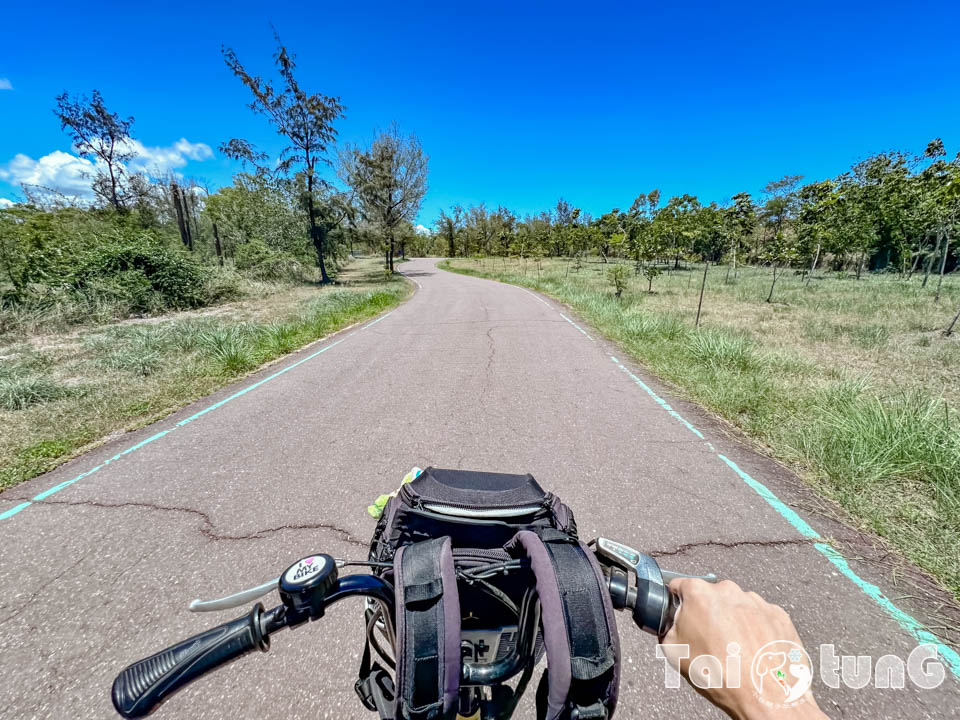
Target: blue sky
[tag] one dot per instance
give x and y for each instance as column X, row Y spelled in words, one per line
column 516, row 103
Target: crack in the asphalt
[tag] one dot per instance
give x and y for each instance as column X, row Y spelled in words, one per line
column 681, row 549
column 485, row 384
column 208, row 529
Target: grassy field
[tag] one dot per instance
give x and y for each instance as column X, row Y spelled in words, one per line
column 63, row 392
column 851, row 382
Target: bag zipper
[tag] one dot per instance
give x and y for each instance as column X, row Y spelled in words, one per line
column 473, row 510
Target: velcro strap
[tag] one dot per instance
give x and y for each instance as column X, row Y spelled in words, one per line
column 578, row 626
column 422, row 592
column 428, row 630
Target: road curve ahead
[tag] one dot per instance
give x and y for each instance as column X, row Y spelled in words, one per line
column 470, row 374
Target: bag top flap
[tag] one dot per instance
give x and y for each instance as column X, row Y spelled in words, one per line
column 471, row 488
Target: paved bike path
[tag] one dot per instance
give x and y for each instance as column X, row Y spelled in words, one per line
column 468, row 373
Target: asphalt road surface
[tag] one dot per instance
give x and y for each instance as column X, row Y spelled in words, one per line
column 469, row 374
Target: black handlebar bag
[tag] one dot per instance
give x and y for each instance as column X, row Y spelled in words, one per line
column 445, row 520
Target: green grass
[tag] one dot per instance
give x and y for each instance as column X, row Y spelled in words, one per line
column 63, row 393
column 19, row 390
column 848, row 381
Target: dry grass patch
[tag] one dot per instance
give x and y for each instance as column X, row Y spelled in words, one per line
column 63, row 392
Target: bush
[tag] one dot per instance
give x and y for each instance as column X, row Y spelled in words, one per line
column 145, row 272
column 264, row 263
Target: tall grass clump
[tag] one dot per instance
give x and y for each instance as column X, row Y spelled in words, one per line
column 280, row 338
column 230, row 348
column 19, row 389
column 894, row 462
column 139, row 350
column 722, row 350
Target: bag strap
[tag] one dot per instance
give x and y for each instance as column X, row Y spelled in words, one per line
column 375, row 686
column 428, row 630
column 579, row 632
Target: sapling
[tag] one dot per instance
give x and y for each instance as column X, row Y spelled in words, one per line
column 617, row 275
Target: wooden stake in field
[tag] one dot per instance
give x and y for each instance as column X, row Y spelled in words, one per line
column 703, row 284
column 949, row 331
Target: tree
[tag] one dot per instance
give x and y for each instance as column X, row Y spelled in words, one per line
column 100, row 134
column 676, row 224
column 741, row 218
column 779, row 240
column 815, row 202
column 390, row 180
column 448, row 226
column 306, row 121
column 617, row 276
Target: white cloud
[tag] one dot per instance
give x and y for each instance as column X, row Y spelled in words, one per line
column 59, row 171
column 72, row 175
column 160, row 160
column 5, row 84
column 4, row 203
column 422, row 230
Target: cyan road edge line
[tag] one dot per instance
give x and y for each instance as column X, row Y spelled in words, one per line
column 905, row 621
column 67, row 483
column 528, row 292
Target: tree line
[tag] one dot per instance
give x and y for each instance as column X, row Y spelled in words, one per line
column 893, row 212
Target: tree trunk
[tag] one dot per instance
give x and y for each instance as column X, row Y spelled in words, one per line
column 216, row 244
column 949, row 330
column 390, row 254
column 943, row 264
column 916, row 260
column 703, row 284
column 113, row 188
column 813, row 265
column 860, row 264
column 773, row 284
column 181, row 220
column 931, row 259
column 318, row 233
column 450, row 248
column 195, row 234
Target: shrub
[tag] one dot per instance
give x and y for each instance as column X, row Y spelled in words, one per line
column 264, row 263
column 141, row 268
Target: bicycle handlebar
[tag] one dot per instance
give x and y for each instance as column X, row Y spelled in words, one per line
column 141, row 687
column 311, row 585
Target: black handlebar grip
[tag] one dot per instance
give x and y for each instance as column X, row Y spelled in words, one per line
column 141, row 687
column 673, row 604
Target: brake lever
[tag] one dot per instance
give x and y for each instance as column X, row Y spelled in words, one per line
column 235, row 600
column 243, row 597
column 654, row 606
